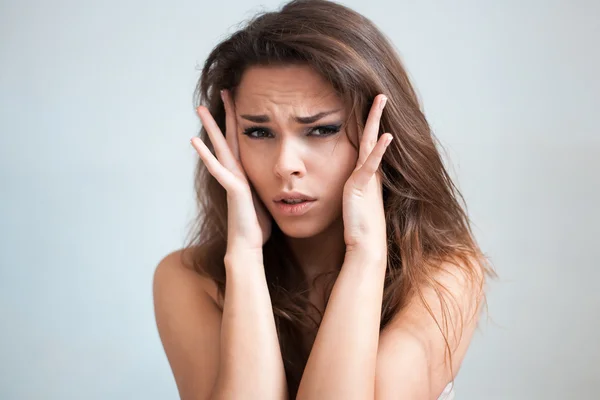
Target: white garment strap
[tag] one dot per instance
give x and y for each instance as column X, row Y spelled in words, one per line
column 448, row 393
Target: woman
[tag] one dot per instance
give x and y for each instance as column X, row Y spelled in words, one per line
column 350, row 266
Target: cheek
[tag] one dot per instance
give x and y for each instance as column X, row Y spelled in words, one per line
column 338, row 167
column 340, row 176
column 346, row 160
column 254, row 167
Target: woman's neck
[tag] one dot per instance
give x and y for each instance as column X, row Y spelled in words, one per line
column 321, row 253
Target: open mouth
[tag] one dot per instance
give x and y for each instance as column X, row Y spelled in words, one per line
column 293, row 201
column 294, row 207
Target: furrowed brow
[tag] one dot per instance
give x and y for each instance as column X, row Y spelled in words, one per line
column 259, row 119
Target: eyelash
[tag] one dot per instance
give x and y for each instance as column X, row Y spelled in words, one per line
column 329, row 129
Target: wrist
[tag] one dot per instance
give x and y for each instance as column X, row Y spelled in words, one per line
column 237, row 255
column 372, row 255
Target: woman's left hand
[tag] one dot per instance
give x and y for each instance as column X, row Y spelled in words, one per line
column 362, row 204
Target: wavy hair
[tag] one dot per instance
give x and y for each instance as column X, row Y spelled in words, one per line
column 426, row 224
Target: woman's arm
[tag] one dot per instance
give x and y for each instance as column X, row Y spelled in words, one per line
column 342, row 361
column 251, row 364
column 350, row 359
column 230, row 355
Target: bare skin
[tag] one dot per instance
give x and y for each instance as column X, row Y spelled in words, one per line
column 205, row 346
column 279, row 152
column 285, row 155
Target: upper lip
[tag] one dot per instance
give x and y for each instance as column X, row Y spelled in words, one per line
column 293, row 196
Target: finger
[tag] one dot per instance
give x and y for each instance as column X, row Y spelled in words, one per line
column 370, row 166
column 217, row 139
column 369, row 134
column 230, row 124
column 221, row 174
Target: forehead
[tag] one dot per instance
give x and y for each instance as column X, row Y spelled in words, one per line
column 296, row 86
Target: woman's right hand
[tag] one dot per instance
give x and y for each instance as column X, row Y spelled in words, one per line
column 248, row 221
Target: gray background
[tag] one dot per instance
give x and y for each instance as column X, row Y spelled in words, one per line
column 96, row 181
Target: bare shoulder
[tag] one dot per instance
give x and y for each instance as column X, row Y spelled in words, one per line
column 189, row 322
column 176, row 266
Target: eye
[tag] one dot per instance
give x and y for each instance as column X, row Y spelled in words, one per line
column 249, row 132
column 326, row 130
column 257, row 132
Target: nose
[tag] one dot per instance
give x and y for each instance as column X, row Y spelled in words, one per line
column 289, row 160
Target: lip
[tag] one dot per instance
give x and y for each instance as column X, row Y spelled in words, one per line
column 292, row 196
column 295, row 210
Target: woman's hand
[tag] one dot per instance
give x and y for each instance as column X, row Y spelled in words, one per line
column 248, row 221
column 362, row 205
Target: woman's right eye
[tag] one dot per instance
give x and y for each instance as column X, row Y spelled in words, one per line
column 260, row 132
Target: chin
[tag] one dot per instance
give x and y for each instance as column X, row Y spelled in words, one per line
column 298, row 229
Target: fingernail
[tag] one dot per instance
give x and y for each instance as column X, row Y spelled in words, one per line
column 382, row 104
column 222, row 96
column 388, row 141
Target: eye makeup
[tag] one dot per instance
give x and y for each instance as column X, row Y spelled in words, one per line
column 326, row 131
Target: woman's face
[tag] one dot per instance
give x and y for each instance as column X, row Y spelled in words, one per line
column 281, row 153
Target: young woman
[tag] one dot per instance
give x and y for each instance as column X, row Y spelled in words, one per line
column 329, row 261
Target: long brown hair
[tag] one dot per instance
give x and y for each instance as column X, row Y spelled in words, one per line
column 426, row 223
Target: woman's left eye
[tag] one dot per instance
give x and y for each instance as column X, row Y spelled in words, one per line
column 326, row 130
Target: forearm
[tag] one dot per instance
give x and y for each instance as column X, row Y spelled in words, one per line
column 251, row 364
column 342, row 361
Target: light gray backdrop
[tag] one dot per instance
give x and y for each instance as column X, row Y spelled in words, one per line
column 96, row 181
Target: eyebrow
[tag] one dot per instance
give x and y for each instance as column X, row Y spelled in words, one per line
column 303, row 120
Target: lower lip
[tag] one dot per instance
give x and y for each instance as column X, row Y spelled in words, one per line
column 294, row 209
